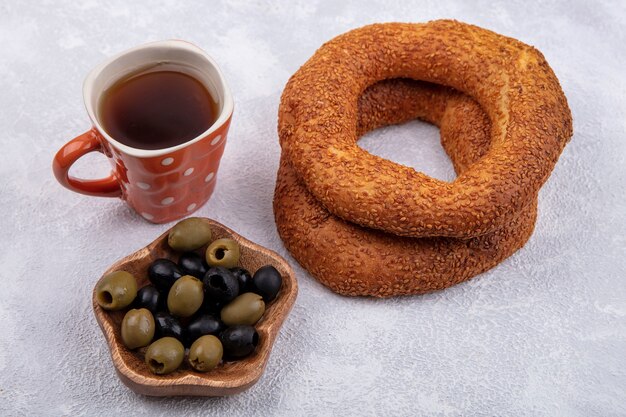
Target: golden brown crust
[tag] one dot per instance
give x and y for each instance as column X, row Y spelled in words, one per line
column 531, row 123
column 353, row 260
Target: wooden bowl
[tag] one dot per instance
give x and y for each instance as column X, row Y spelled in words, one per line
column 228, row 378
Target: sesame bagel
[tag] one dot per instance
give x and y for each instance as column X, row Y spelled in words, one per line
column 529, row 125
column 354, row 260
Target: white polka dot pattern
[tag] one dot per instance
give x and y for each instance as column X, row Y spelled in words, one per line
column 172, row 185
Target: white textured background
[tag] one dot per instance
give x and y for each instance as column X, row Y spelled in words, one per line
column 542, row 334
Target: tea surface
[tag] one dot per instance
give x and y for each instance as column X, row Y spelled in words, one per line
column 156, row 110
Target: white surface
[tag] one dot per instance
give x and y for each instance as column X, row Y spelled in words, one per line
column 542, row 334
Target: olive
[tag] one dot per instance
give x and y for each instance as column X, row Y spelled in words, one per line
column 116, row 290
column 210, row 305
column 165, row 355
column 192, row 264
column 137, row 328
column 247, row 308
column 167, row 325
column 244, row 277
column 149, row 297
column 185, row 296
column 202, row 325
column 189, row 234
column 267, row 281
column 163, row 273
column 205, row 353
column 221, row 285
column 223, row 252
column 239, row 341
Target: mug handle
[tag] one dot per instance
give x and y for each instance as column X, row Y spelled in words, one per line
column 70, row 153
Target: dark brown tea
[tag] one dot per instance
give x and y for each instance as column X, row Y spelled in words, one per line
column 156, row 110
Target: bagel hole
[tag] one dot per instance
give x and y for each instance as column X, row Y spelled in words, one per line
column 219, row 253
column 415, row 144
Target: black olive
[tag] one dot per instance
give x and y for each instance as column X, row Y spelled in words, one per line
column 163, row 273
column 266, row 282
column 150, row 298
column 202, row 325
column 244, row 278
column 220, row 284
column 239, row 341
column 193, row 264
column 166, row 325
column 211, row 305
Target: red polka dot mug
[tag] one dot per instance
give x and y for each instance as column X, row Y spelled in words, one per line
column 162, row 184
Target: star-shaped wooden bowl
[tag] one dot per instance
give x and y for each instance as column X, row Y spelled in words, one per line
column 229, row 377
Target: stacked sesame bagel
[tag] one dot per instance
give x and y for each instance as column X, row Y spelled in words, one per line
column 363, row 225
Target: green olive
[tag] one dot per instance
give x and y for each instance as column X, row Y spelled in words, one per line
column 116, row 290
column 223, row 252
column 247, row 308
column 137, row 328
column 205, row 353
column 189, row 234
column 185, row 296
column 165, row 355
